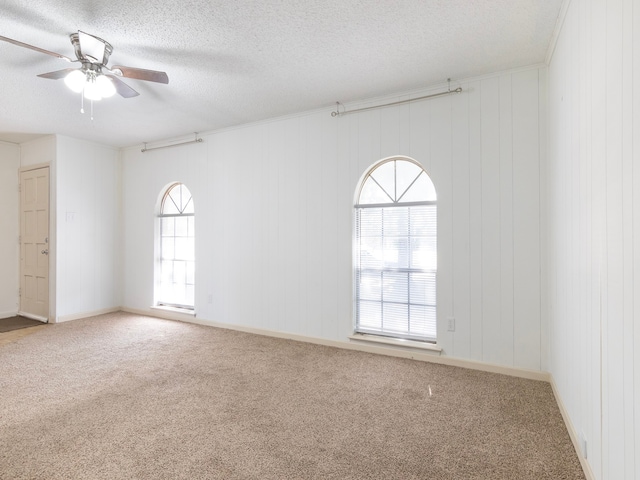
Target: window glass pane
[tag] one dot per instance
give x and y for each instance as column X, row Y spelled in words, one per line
column 369, row 222
column 191, row 228
column 176, row 197
column 422, row 190
column 386, row 177
column 424, row 255
column 395, row 287
column 422, row 220
column 167, row 272
column 169, row 206
column 371, row 193
column 177, row 200
column 167, row 226
column 371, row 254
column 395, row 318
column 188, row 207
column 423, row 288
column 406, row 173
column 422, row 321
column 396, row 252
column 176, row 294
column 191, row 273
column 179, row 271
column 165, row 291
column 189, row 295
column 167, row 249
column 184, row 248
column 182, row 228
column 370, row 286
column 370, row 314
column 395, row 221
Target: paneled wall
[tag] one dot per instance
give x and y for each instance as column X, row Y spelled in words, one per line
column 9, row 229
column 87, row 214
column 594, row 230
column 274, row 205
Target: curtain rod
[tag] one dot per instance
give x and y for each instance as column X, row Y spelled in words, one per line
column 196, row 140
column 337, row 112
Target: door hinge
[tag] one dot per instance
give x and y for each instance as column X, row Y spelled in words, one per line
column 19, row 187
column 20, row 292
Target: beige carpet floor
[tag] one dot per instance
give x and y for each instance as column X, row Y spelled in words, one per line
column 122, row 396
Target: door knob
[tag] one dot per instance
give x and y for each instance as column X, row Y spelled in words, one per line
column 45, row 252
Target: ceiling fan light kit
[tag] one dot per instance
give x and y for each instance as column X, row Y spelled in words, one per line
column 94, row 80
column 93, row 86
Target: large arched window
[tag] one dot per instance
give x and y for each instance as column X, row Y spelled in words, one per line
column 395, row 251
column 176, row 263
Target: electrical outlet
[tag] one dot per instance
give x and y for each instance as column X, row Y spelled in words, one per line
column 451, row 324
column 210, row 298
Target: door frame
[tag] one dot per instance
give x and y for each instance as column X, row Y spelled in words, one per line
column 50, row 256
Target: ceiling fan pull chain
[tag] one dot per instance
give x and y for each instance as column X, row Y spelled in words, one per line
column 91, row 110
column 82, row 103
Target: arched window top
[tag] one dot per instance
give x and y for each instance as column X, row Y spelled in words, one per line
column 177, row 201
column 396, row 181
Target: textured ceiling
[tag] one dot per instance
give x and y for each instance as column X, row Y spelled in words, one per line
column 232, row 62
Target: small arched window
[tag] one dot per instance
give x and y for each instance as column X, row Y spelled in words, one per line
column 396, row 252
column 176, row 264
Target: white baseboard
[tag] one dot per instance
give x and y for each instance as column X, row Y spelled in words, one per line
column 573, row 434
column 388, row 350
column 78, row 316
column 167, row 314
column 9, row 314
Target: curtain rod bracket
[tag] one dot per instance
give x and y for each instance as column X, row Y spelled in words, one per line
column 337, row 112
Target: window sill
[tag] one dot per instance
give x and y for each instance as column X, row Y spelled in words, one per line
column 183, row 311
column 396, row 342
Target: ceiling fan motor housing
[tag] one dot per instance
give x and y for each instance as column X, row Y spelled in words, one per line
column 94, row 48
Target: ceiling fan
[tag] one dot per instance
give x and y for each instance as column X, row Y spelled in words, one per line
column 93, row 78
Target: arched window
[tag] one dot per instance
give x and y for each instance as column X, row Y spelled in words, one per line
column 396, row 252
column 176, row 264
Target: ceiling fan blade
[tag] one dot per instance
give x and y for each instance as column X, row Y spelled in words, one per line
column 37, row 49
column 122, row 88
column 141, row 74
column 58, row 74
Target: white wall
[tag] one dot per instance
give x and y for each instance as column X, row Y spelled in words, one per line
column 594, row 230
column 274, row 215
column 9, row 229
column 38, row 152
column 87, row 228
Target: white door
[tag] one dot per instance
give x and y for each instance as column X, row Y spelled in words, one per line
column 34, row 244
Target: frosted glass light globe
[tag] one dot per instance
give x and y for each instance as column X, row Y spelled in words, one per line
column 105, row 86
column 75, row 80
column 92, row 91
